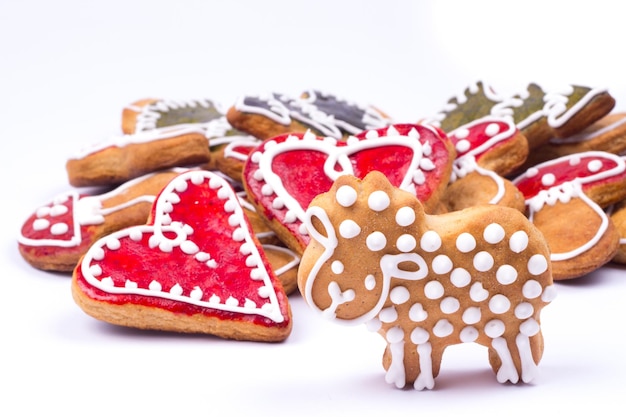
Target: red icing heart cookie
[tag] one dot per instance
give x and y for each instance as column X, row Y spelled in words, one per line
column 284, row 174
column 195, row 267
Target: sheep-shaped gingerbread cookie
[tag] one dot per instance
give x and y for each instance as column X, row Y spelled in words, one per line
column 425, row 282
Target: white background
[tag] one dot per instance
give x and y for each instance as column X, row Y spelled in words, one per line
column 68, row 67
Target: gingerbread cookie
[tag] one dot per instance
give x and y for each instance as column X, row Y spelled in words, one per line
column 487, row 149
column 565, row 198
column 266, row 116
column 425, row 282
column 285, row 173
column 149, row 114
column 57, row 234
column 123, row 158
column 539, row 115
column 195, row 267
column 607, row 134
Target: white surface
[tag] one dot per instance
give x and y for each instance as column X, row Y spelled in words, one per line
column 66, row 70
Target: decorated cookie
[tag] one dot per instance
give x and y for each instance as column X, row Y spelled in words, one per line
column 266, row 116
column 565, row 198
column 607, row 134
column 285, row 173
column 487, row 149
column 150, row 114
column 425, row 282
column 125, row 157
column 538, row 114
column 195, row 267
column 57, row 234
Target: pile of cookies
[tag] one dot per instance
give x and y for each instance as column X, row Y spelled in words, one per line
column 210, row 217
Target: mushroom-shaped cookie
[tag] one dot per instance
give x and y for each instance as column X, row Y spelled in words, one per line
column 565, row 198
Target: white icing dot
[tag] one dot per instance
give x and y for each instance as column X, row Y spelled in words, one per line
column 443, row 328
column 531, row 289
column 478, row 293
column 460, row 277
column 417, row 313
column 378, row 201
column 499, row 304
column 463, row 146
column 370, row 282
column 449, row 305
column 433, row 290
column 549, row 294
column 494, row 233
column 113, row 243
column 529, row 328
column 349, row 229
column 531, row 172
column 154, row 286
column 399, row 295
column 231, row 301
column 442, row 264
column 594, row 166
column 465, row 242
column 176, row 290
column 430, row 241
column 59, row 228
column 376, row 241
column 394, row 335
column 346, row 195
column 548, row 180
column 506, row 274
column 483, row 261
column 189, row 247
column 406, row 243
column 462, row 133
column 494, row 328
column 492, row 129
column 419, row 336
column 41, row 224
column 518, row 241
column 469, row 334
column 405, row 216
column 537, row 264
column 95, row 270
column 58, row 210
column 337, row 267
column 471, row 315
column 524, row 310
column 388, row 315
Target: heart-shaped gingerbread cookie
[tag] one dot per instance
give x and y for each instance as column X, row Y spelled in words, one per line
column 195, row 267
column 285, row 173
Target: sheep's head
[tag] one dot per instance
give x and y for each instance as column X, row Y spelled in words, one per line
column 362, row 235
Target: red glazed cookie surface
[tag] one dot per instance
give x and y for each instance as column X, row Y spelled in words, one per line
column 285, row 173
column 195, row 267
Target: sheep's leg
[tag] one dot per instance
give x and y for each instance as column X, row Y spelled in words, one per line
column 507, row 370
column 394, row 357
column 529, row 329
column 426, row 376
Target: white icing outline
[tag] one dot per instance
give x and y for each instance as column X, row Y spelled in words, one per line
column 163, row 223
column 149, row 114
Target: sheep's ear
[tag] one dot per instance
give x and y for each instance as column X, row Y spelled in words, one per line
column 318, row 225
